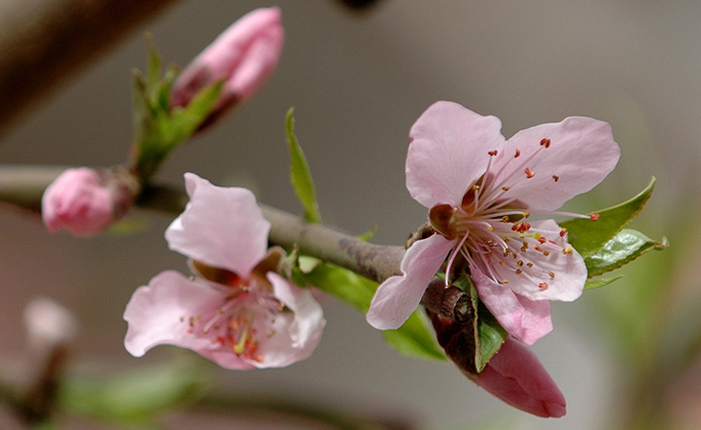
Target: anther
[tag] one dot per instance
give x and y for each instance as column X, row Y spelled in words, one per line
column 520, row 263
column 552, row 275
column 505, row 281
column 546, row 252
column 542, row 240
column 529, row 173
column 556, row 178
column 519, row 271
column 594, row 216
column 545, row 142
column 529, row 265
column 493, row 153
column 543, row 285
column 505, row 188
column 563, row 232
column 518, row 152
column 501, row 262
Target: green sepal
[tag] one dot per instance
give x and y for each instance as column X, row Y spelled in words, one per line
column 413, row 338
column 488, row 334
column 624, row 247
column 158, row 129
column 588, row 237
column 134, row 396
column 592, row 284
column 300, row 175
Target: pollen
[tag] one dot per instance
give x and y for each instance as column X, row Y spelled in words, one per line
column 529, row 173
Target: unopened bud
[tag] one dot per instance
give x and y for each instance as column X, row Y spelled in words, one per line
column 244, row 56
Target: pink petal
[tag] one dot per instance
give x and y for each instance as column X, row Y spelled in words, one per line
column 297, row 338
column 524, row 319
column 580, row 155
column 221, row 227
column 155, row 313
column 449, row 152
column 568, row 269
column 516, row 376
column 398, row 296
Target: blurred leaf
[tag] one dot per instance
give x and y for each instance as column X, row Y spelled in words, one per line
column 491, row 336
column 182, row 123
column 299, row 173
column 587, row 236
column 133, row 396
column 368, row 234
column 413, row 338
column 598, row 283
column 623, row 248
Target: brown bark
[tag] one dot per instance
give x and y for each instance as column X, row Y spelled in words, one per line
column 43, row 42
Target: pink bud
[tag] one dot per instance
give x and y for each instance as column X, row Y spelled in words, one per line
column 84, row 201
column 516, row 376
column 244, row 55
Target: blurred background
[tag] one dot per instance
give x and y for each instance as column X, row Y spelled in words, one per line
column 358, row 81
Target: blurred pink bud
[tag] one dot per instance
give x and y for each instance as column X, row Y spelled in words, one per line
column 516, row 376
column 84, row 201
column 244, row 56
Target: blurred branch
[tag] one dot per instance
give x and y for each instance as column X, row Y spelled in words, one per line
column 45, row 41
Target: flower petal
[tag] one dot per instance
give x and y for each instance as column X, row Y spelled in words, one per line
column 158, row 313
column 524, row 319
column 580, row 154
column 221, row 227
column 516, row 376
column 398, row 296
column 449, row 152
column 559, row 275
column 299, row 333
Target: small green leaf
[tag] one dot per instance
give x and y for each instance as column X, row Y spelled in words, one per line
column 587, row 236
column 598, row 283
column 182, row 123
column 132, row 396
column 365, row 237
column 623, row 248
column 414, row 338
column 299, row 173
column 491, row 335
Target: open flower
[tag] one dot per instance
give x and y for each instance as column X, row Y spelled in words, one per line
column 236, row 310
column 244, row 56
column 481, row 191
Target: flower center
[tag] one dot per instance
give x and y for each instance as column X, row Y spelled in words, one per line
column 491, row 226
column 246, row 313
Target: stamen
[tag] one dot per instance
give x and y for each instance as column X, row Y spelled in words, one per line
column 545, row 142
column 529, row 173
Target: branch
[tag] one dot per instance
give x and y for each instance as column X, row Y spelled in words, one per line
column 24, row 185
column 44, row 41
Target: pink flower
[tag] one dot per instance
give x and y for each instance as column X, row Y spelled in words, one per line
column 237, row 311
column 481, row 191
column 516, row 376
column 84, row 201
column 244, row 55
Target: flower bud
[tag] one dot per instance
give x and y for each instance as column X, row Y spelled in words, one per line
column 514, row 374
column 86, row 201
column 244, row 56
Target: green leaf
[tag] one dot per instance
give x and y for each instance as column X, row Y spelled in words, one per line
column 182, row 123
column 598, row 283
column 365, row 237
column 623, row 248
column 414, row 338
column 491, row 336
column 300, row 174
column 132, row 396
column 587, row 236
